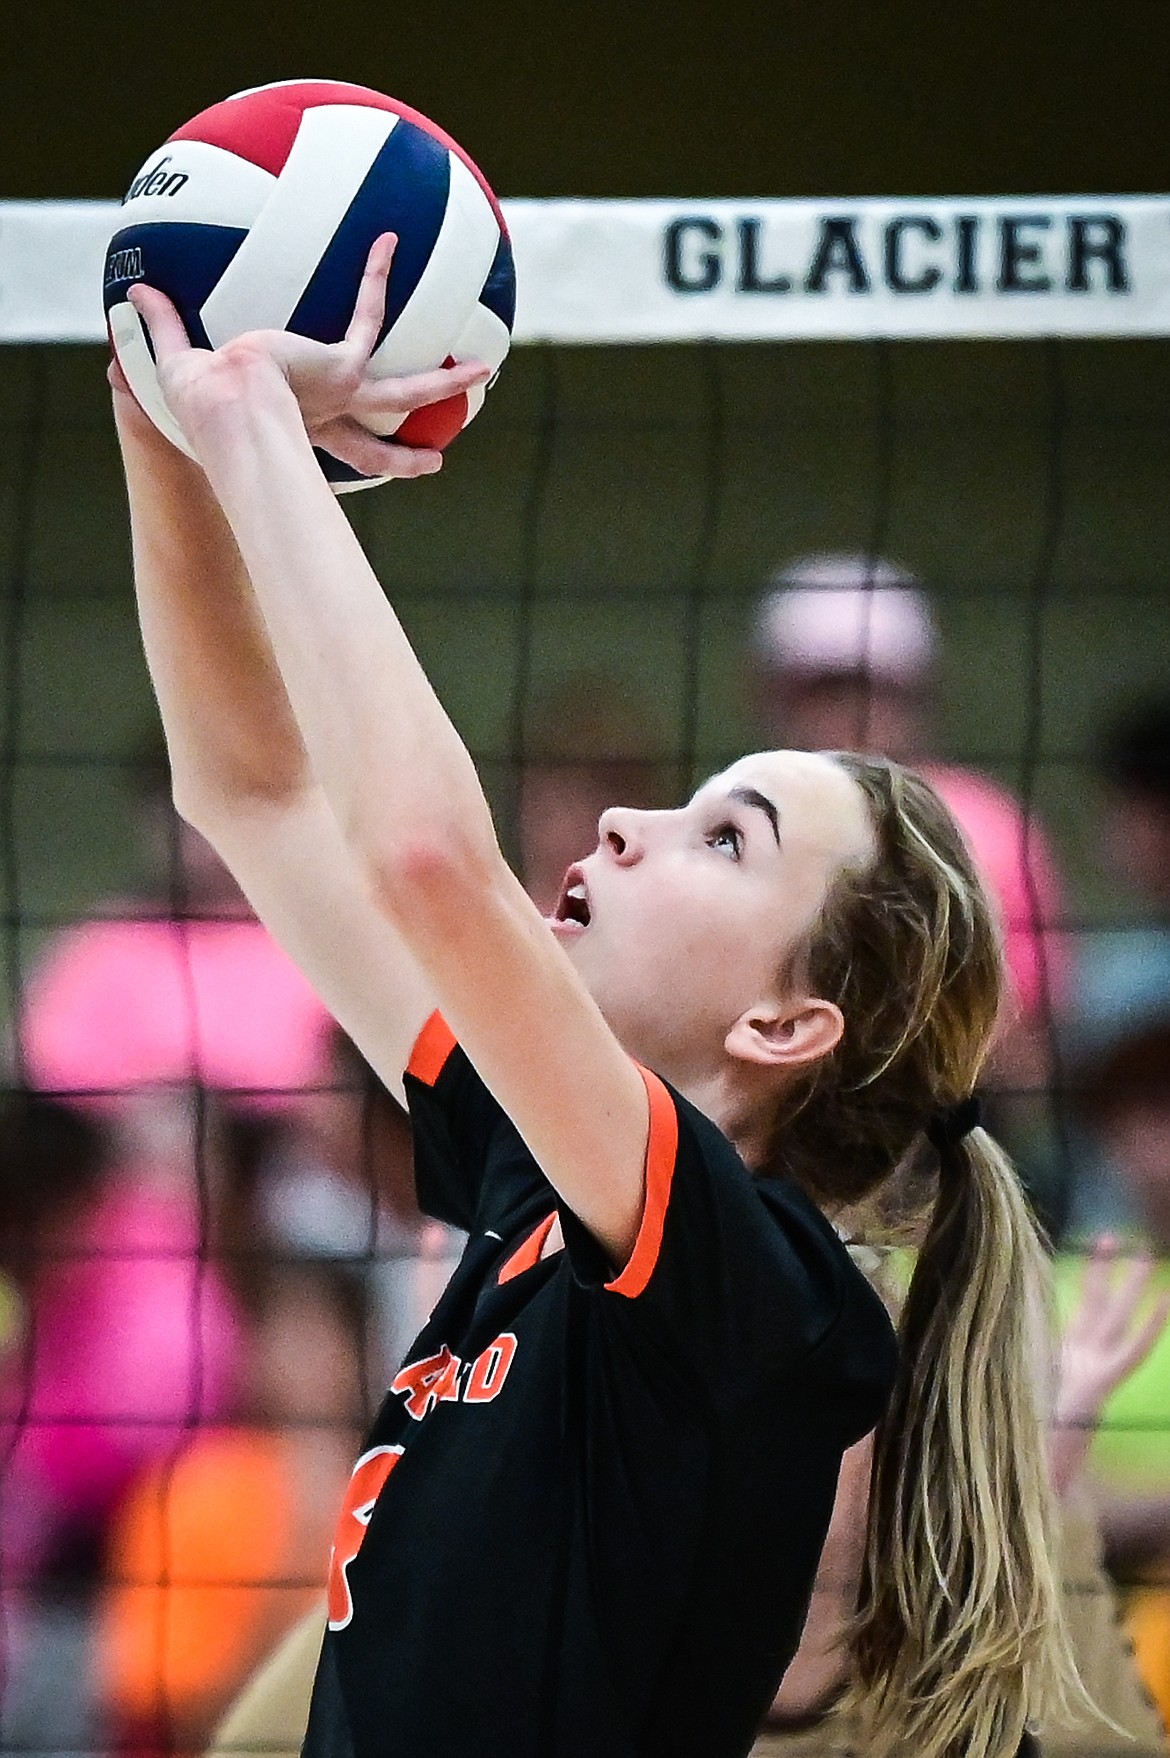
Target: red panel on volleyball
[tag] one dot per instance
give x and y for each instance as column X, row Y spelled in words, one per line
column 263, row 126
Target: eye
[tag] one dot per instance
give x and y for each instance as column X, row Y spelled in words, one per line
column 728, row 839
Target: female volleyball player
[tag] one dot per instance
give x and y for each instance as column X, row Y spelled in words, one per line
column 588, row 1517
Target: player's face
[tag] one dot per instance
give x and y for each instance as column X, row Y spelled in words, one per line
column 681, row 921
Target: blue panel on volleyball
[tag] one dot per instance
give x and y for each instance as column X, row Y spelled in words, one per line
column 405, row 192
column 499, row 290
column 334, row 470
column 186, row 261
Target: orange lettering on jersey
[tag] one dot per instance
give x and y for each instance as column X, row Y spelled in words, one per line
column 490, row 1370
column 430, row 1382
column 365, row 1486
column 435, row 1379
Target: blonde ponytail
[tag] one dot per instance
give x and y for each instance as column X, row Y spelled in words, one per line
column 959, row 1642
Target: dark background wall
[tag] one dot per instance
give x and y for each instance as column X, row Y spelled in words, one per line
column 649, row 98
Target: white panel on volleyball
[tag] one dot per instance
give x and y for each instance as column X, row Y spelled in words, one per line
column 335, row 147
column 483, row 338
column 187, row 180
column 449, row 287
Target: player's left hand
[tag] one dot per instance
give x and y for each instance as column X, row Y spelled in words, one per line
column 340, row 400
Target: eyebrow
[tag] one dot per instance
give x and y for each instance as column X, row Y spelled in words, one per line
column 751, row 796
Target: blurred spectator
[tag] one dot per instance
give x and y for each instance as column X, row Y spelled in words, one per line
column 117, row 1337
column 1123, row 973
column 128, row 1270
column 844, row 655
column 216, row 1554
column 1122, row 1101
column 844, row 648
column 587, row 747
column 179, row 986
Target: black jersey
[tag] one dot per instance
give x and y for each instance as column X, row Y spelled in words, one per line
column 587, row 1519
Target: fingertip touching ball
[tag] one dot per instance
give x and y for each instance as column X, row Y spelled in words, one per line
column 260, row 214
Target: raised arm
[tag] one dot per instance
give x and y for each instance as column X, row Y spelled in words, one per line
column 401, row 785
column 231, row 735
column 1109, row 1333
column 241, row 773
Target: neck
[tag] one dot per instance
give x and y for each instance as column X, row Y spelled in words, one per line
column 740, row 1106
column 739, row 1097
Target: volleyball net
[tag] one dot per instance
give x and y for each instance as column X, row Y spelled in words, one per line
column 725, row 427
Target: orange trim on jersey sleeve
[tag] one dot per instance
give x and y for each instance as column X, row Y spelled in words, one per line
column 527, row 1254
column 432, row 1047
column 661, row 1154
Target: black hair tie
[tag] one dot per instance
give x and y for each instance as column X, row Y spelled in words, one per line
column 948, row 1126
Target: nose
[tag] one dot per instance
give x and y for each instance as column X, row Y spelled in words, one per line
column 621, row 833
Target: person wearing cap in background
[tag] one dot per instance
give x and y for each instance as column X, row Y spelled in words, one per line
column 844, row 656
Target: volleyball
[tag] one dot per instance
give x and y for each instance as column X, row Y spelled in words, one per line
column 260, row 213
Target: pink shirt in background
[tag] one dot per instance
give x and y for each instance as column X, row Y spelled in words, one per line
column 131, row 1341
column 134, row 1337
column 1017, row 866
column 125, row 1003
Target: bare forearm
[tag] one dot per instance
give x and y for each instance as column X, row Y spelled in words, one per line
column 380, row 743
column 1069, row 1441
column 229, row 727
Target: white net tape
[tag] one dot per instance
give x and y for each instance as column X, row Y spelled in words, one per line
column 660, row 271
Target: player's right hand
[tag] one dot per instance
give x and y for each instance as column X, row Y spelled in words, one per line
column 331, row 382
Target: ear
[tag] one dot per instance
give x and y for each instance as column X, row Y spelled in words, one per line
column 788, row 1035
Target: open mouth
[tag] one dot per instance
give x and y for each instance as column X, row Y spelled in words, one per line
column 573, row 903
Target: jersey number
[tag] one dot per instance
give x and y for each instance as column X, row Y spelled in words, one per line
column 435, row 1380
column 365, row 1486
